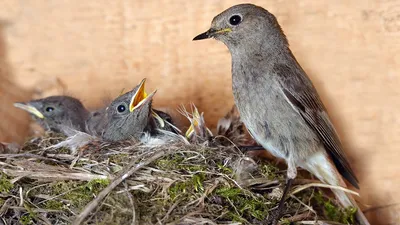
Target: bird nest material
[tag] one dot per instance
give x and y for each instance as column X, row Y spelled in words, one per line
column 128, row 183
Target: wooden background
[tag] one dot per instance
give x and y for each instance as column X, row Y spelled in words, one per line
column 93, row 49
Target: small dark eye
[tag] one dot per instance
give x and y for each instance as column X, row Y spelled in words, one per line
column 49, row 109
column 235, row 20
column 121, row 108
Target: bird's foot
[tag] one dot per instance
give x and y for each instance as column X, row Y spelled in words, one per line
column 275, row 215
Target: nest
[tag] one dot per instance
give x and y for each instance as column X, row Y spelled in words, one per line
column 128, row 183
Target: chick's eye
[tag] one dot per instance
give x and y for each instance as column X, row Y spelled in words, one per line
column 49, row 109
column 235, row 20
column 121, row 108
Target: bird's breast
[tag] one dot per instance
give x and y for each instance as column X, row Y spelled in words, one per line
column 268, row 115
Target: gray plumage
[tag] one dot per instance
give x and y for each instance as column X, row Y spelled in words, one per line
column 103, row 122
column 96, row 122
column 276, row 100
column 57, row 112
column 119, row 124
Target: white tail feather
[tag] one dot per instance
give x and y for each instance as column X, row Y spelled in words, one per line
column 320, row 166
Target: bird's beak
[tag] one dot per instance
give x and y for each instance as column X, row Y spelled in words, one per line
column 158, row 117
column 197, row 121
column 193, row 123
column 211, row 33
column 140, row 97
column 29, row 109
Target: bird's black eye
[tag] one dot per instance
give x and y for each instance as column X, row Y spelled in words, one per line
column 121, row 108
column 235, row 20
column 49, row 109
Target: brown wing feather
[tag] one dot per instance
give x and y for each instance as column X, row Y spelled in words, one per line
column 302, row 95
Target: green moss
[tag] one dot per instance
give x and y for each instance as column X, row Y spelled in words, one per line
column 247, row 205
column 191, row 168
column 170, row 163
column 197, row 181
column 97, row 185
column 63, row 150
column 271, row 172
column 28, row 218
column 54, row 204
column 177, row 189
column 334, row 212
column 285, row 222
column 76, row 193
column 5, row 183
column 119, row 158
column 235, row 217
column 176, row 162
column 349, row 215
column 228, row 192
column 187, row 189
column 224, row 169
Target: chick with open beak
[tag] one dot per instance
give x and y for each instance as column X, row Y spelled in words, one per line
column 198, row 130
column 128, row 116
column 56, row 113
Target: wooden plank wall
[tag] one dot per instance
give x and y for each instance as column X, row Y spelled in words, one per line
column 93, row 49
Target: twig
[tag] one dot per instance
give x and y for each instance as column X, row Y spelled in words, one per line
column 30, row 155
column 303, row 204
column 204, row 195
column 35, row 210
column 61, row 156
column 53, row 175
column 299, row 217
column 21, row 197
column 135, row 219
column 303, row 187
column 95, row 202
column 5, row 206
column 169, row 212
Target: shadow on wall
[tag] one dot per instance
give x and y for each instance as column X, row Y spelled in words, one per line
column 14, row 125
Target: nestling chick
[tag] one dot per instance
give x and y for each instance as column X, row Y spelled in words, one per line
column 231, row 127
column 198, row 130
column 127, row 117
column 57, row 112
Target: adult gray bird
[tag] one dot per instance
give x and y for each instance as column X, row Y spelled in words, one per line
column 56, row 113
column 277, row 101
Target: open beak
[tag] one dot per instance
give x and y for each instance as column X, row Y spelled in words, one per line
column 140, row 97
column 29, row 109
column 194, row 123
column 198, row 125
column 211, row 33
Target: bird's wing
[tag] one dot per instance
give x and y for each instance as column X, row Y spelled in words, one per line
column 302, row 95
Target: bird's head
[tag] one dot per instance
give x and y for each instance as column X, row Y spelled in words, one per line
column 244, row 23
column 53, row 111
column 128, row 115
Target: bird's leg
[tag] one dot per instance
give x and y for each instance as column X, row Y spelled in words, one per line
column 291, row 174
column 277, row 213
column 285, row 193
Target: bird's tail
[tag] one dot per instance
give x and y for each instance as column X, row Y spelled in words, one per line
column 321, row 166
